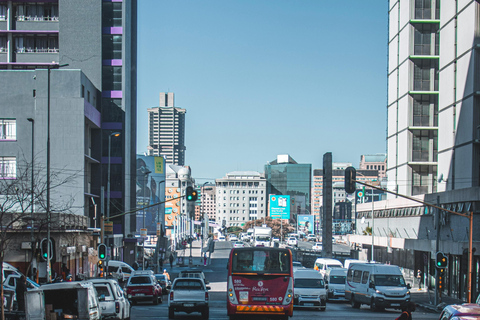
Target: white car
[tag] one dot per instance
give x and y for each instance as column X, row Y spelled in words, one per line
column 221, row 238
column 317, row 246
column 275, row 239
column 238, row 244
column 292, row 241
column 112, row 298
column 233, row 238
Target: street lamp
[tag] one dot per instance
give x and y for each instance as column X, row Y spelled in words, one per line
column 49, row 67
column 32, row 185
column 114, row 134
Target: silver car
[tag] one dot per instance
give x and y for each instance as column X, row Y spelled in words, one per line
column 113, row 302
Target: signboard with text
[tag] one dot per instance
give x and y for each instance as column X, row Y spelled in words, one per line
column 279, row 207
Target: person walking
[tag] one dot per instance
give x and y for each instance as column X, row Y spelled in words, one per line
column 171, row 260
column 419, row 278
column 204, row 258
column 20, row 290
column 407, row 314
column 166, row 274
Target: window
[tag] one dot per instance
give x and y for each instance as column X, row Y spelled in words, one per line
column 357, row 275
column 8, row 129
column 365, row 277
column 425, row 75
column 423, row 9
column 8, row 167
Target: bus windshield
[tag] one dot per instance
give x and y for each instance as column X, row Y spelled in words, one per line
column 265, row 261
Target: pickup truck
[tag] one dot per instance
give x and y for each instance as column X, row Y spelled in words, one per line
column 188, row 295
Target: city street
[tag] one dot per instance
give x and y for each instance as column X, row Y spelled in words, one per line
column 216, row 273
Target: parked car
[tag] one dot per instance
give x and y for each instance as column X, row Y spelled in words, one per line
column 309, row 290
column 163, row 281
column 143, row 286
column 317, row 246
column 188, row 295
column 9, row 286
column 112, row 298
column 238, row 244
column 292, row 241
column 460, row 311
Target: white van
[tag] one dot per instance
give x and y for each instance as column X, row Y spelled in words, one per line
column 378, row 285
column 335, row 282
column 309, row 289
column 72, row 300
column 322, row 264
column 119, row 270
column 349, row 262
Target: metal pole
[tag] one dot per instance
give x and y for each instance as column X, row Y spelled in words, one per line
column 373, row 227
column 437, row 248
column 108, row 176
column 470, row 243
column 144, row 196
column 49, row 272
column 32, row 195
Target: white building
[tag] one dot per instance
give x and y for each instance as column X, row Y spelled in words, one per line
column 241, row 196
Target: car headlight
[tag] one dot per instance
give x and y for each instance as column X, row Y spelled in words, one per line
column 378, row 292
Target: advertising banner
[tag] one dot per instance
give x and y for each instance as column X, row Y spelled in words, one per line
column 305, row 223
column 279, row 207
column 150, row 190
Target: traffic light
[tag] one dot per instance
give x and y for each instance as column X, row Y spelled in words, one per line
column 350, row 180
column 102, row 251
column 441, row 261
column 191, row 194
column 44, row 249
column 100, row 268
column 441, row 278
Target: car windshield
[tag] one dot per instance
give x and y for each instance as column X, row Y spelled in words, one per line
column 266, row 261
column 389, row 280
column 337, row 279
column 140, row 280
column 308, row 283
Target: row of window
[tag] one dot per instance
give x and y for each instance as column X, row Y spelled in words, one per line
column 375, row 167
column 233, row 184
column 32, row 12
column 238, row 191
column 238, row 198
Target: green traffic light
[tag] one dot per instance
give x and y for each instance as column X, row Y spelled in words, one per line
column 45, row 255
column 102, row 256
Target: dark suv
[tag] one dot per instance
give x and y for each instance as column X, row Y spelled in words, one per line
column 143, row 286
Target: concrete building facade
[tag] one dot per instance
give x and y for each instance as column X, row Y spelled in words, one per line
column 241, row 196
column 166, row 130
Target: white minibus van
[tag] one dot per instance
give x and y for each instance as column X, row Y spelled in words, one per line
column 335, row 281
column 378, row 285
column 322, row 264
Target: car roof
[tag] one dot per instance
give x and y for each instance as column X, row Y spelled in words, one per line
column 463, row 309
column 102, row 280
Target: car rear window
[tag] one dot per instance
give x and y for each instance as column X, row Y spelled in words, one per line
column 101, row 289
column 308, row 283
column 188, row 285
column 140, row 280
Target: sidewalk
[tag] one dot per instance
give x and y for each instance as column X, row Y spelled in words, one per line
column 424, row 299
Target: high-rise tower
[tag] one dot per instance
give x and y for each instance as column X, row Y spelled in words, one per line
column 166, row 130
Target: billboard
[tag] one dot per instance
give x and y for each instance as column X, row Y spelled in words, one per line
column 279, row 207
column 305, row 223
column 150, row 190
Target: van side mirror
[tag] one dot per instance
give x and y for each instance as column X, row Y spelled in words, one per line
column 209, row 288
column 371, row 285
column 409, row 286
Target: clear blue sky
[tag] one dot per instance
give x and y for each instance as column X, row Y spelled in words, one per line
column 265, row 77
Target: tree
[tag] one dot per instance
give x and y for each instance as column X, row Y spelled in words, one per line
column 275, row 224
column 16, row 200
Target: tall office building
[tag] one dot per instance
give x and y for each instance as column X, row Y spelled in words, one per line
column 166, row 130
column 74, row 61
column 433, row 119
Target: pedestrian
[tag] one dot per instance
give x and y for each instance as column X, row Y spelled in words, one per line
column 171, row 260
column 204, row 258
column 160, row 261
column 419, row 277
column 407, row 314
column 166, row 274
column 20, row 290
column 135, row 266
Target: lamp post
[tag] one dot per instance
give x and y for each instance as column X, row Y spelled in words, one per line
column 114, row 134
column 32, row 187
column 157, row 249
column 49, row 67
column 146, row 173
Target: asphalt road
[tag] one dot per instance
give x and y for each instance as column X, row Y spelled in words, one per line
column 216, row 273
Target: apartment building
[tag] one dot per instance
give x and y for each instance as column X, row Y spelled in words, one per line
column 166, row 130
column 374, row 162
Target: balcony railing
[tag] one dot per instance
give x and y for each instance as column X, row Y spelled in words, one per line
column 36, row 18
column 37, row 50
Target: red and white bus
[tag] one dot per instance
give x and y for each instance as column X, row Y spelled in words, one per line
column 260, row 282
